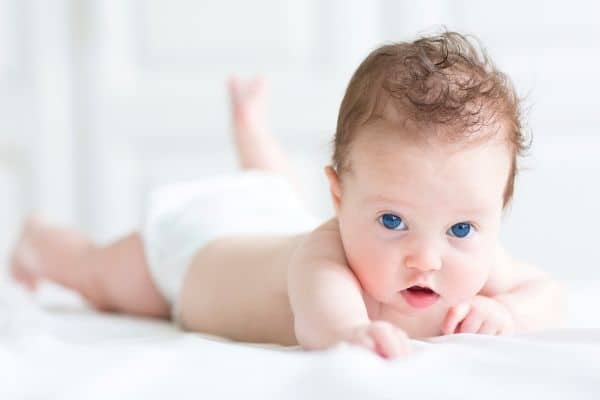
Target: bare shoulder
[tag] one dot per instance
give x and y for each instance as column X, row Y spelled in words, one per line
column 507, row 273
column 324, row 243
column 320, row 259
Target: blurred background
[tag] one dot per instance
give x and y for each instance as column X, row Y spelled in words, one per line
column 102, row 100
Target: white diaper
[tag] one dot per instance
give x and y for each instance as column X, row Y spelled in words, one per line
column 183, row 217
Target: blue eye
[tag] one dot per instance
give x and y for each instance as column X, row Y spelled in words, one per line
column 392, row 222
column 460, row 230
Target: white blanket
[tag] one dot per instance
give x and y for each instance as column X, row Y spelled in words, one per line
column 51, row 346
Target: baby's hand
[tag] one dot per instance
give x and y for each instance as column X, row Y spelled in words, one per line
column 381, row 337
column 479, row 315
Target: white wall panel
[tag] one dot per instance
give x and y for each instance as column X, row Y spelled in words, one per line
column 218, row 33
column 15, row 119
column 50, row 150
column 555, row 215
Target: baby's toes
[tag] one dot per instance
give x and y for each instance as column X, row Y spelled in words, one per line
column 257, row 88
column 234, row 87
column 24, row 262
column 22, row 274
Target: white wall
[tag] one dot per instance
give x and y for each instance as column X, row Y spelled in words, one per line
column 102, row 100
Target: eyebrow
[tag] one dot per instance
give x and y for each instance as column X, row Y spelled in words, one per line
column 402, row 204
column 381, row 199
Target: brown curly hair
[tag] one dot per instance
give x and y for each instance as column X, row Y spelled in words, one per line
column 445, row 80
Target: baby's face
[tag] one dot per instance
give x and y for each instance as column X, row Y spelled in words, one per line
column 416, row 214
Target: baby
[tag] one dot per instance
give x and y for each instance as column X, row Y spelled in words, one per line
column 425, row 157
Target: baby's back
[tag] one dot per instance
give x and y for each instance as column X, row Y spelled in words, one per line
column 236, row 287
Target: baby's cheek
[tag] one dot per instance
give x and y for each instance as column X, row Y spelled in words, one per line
column 464, row 280
column 371, row 271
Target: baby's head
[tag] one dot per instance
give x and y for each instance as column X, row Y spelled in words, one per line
column 425, row 158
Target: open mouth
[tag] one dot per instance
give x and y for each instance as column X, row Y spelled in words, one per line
column 419, row 296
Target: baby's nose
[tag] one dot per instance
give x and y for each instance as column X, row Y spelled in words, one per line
column 424, row 259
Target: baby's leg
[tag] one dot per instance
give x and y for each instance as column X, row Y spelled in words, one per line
column 256, row 147
column 111, row 278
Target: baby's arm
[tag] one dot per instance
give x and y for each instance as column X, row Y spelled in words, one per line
column 532, row 299
column 327, row 302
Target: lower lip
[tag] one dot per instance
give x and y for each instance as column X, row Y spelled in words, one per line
column 419, row 299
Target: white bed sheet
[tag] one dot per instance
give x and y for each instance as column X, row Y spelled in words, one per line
column 51, row 346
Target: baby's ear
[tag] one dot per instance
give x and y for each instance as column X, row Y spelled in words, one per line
column 334, row 187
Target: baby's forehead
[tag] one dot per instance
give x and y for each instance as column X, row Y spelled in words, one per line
column 389, row 162
column 382, row 138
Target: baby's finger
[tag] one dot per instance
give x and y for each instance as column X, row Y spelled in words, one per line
column 401, row 343
column 471, row 324
column 390, row 341
column 488, row 328
column 507, row 329
column 384, row 345
column 363, row 339
column 454, row 317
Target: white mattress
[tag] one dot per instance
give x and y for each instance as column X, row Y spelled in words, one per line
column 51, row 346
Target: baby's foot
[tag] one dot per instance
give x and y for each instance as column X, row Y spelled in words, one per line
column 44, row 251
column 256, row 147
column 249, row 106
